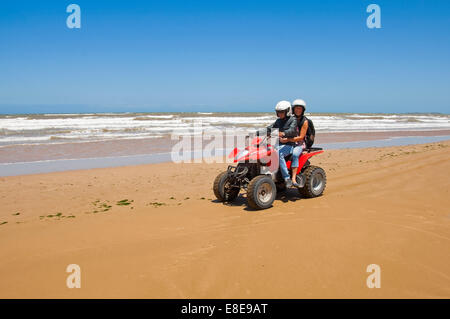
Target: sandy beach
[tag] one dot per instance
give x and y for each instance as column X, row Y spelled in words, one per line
column 156, row 231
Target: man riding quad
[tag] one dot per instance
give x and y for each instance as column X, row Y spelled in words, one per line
column 254, row 172
column 287, row 127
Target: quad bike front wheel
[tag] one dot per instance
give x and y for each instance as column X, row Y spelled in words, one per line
column 261, row 192
column 315, row 182
column 222, row 188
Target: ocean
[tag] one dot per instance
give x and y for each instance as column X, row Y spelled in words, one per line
column 40, row 143
column 74, row 128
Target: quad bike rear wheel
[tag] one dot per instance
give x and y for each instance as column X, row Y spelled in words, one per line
column 222, row 188
column 261, row 192
column 315, row 182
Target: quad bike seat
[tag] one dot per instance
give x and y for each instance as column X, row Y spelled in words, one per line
column 306, row 150
column 312, row 149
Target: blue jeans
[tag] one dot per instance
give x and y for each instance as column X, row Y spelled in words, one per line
column 283, row 151
column 297, row 151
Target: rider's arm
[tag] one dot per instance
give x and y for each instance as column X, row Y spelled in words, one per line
column 277, row 124
column 302, row 135
column 291, row 130
column 267, row 130
column 274, row 125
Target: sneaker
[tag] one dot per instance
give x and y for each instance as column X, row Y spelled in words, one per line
column 288, row 182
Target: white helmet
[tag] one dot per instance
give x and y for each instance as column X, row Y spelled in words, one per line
column 283, row 106
column 299, row 102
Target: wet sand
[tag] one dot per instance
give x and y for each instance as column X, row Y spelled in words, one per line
column 385, row 206
column 127, row 147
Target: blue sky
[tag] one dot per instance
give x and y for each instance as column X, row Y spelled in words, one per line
column 224, row 56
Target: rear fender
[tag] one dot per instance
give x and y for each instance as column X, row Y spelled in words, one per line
column 306, row 156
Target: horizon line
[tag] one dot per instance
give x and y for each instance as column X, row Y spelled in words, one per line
column 186, row 112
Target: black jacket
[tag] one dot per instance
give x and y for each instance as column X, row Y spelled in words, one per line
column 287, row 125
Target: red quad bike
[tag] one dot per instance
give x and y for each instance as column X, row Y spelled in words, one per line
column 255, row 174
